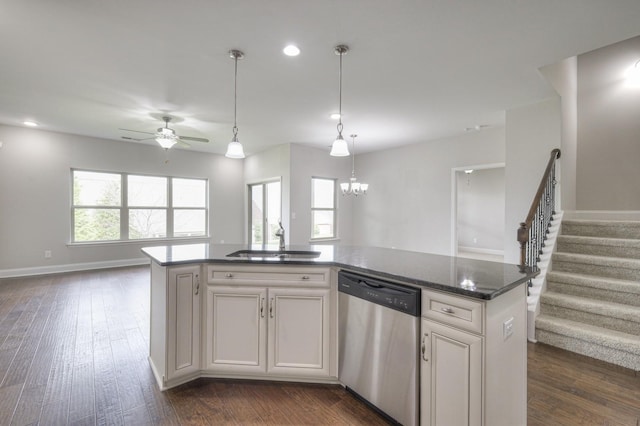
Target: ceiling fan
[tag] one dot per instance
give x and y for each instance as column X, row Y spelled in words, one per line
column 165, row 136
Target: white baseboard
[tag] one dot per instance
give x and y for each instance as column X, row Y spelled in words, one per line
column 480, row 250
column 602, row 215
column 71, row 267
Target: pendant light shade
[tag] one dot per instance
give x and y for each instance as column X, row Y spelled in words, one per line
column 340, row 147
column 234, row 149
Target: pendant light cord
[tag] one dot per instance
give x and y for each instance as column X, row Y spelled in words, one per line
column 340, row 97
column 353, row 155
column 235, row 100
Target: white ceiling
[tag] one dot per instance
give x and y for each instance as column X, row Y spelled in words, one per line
column 417, row 70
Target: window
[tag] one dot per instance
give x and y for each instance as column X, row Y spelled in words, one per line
column 264, row 212
column 323, row 208
column 122, row 206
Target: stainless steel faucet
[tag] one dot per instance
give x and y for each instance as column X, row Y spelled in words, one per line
column 280, row 233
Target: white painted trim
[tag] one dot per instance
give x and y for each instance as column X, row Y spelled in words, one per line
column 71, row 267
column 481, row 250
column 602, row 215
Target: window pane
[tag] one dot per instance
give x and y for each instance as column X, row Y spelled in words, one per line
column 273, row 211
column 147, row 223
column 96, row 189
column 257, row 214
column 323, row 190
column 189, row 192
column 322, row 224
column 187, row 223
column 96, row 224
column 147, row 191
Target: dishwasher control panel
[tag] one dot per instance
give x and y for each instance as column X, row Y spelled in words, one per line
column 394, row 296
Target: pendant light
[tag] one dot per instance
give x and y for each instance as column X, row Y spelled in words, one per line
column 234, row 149
column 353, row 187
column 340, row 147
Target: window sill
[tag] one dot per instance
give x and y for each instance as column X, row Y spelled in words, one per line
column 151, row 241
column 323, row 240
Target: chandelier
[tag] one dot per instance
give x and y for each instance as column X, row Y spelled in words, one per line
column 353, row 187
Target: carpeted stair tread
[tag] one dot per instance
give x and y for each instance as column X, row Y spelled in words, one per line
column 615, row 284
column 613, row 316
column 614, row 267
column 615, row 347
column 602, row 228
column 599, row 246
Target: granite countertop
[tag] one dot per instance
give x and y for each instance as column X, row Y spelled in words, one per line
column 474, row 278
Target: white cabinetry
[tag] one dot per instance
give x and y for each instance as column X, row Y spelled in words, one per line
column 175, row 323
column 270, row 321
column 473, row 360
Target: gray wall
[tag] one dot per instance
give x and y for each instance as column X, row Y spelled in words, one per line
column 410, row 190
column 480, row 209
column 35, row 194
column 608, row 129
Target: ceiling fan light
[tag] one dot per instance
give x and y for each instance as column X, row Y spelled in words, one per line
column 339, row 148
column 166, row 142
column 234, row 150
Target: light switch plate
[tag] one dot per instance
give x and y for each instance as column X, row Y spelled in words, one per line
column 507, row 328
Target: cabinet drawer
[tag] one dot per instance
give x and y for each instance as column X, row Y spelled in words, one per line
column 308, row 277
column 456, row 311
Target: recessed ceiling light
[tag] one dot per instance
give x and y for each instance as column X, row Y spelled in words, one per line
column 334, row 116
column 291, row 50
column 30, row 123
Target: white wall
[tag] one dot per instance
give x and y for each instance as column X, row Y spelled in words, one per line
column 608, row 129
column 480, row 209
column 35, row 192
column 409, row 201
column 532, row 132
column 308, row 162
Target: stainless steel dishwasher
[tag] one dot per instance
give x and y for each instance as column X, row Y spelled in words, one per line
column 378, row 344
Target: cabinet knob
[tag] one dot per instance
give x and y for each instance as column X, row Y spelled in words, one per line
column 447, row 310
column 305, row 277
column 228, row 276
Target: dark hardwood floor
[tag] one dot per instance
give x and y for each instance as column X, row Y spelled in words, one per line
column 73, row 350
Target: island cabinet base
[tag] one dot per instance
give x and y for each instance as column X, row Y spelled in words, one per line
column 246, row 322
column 473, row 360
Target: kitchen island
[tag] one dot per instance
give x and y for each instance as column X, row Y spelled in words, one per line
column 260, row 315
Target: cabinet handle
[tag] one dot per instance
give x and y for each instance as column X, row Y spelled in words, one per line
column 228, row 276
column 305, row 277
column 262, row 308
column 424, row 346
column 447, row 310
column 197, row 284
column 271, row 308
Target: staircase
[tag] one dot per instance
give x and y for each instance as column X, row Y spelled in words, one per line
column 592, row 302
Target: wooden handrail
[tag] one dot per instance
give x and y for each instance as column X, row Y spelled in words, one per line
column 523, row 231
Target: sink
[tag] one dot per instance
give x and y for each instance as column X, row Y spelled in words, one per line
column 285, row 254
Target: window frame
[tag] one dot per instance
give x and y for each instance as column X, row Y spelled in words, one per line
column 333, row 209
column 125, row 209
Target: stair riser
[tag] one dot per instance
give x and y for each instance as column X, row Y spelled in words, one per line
column 596, row 270
column 600, row 250
column 611, row 323
column 590, row 349
column 604, row 231
column 595, row 293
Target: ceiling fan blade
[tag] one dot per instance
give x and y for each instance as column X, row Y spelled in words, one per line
column 183, row 143
column 188, row 138
column 135, row 139
column 137, row 131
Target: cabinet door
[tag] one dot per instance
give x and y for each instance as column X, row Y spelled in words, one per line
column 450, row 376
column 299, row 332
column 236, row 329
column 183, row 321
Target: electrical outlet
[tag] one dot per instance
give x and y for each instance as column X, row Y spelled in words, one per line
column 507, row 328
column 47, row 254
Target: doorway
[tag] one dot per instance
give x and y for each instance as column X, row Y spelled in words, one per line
column 478, row 206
